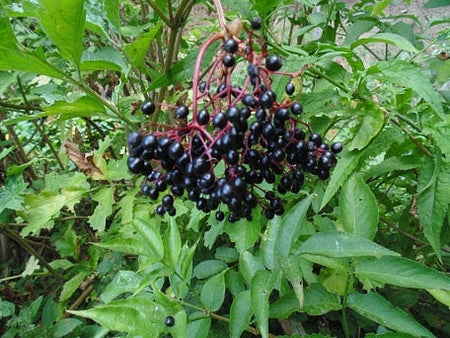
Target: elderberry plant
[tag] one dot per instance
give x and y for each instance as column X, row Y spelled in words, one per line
column 240, row 139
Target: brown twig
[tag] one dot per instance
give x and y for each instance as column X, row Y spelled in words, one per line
column 79, row 300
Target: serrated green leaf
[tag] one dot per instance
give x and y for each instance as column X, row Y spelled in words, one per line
column 402, row 272
column 63, row 22
column 213, row 292
column 67, row 245
column 151, row 236
column 11, row 194
column 260, row 289
column 249, row 265
column 240, row 313
column 72, row 285
column 243, row 233
column 172, row 243
column 395, row 163
column 207, row 268
column 335, row 244
column 137, row 50
column 374, row 307
column 442, row 296
column 183, row 69
column 389, row 38
column 358, row 208
column 123, row 281
column 130, row 245
column 105, row 58
column 407, row 74
column 66, row 325
column 105, row 199
column 43, row 207
column 84, row 106
column 291, row 226
column 18, row 60
column 346, row 164
column 137, row 316
column 112, row 13
column 319, row 301
column 370, row 123
column 433, row 199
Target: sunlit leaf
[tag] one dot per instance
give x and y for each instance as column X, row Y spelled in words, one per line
column 240, row 313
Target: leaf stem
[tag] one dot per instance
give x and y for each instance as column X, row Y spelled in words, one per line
column 160, row 13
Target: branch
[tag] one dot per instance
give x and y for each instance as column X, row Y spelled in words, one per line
column 160, row 13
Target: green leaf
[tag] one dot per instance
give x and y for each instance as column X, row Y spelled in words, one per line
column 137, row 50
column 6, row 32
column 291, row 226
column 151, row 236
column 183, row 69
column 395, row 163
column 407, row 74
column 130, row 245
column 123, row 281
column 112, row 13
column 6, row 308
column 402, row 272
column 213, row 292
column 228, row 255
column 82, row 107
column 249, row 265
column 260, row 290
column 240, row 313
column 105, row 58
column 370, row 123
column 268, row 243
column 389, row 38
column 379, row 7
column 435, row 3
column 63, row 22
column 207, row 268
column 11, row 194
column 433, row 199
column 137, row 316
column 318, row 301
column 199, row 328
column 66, row 325
column 374, row 307
column 67, row 246
column 243, row 233
column 358, row 208
column 72, row 285
column 345, row 166
column 442, row 296
column 335, row 244
column 172, row 243
column 18, row 60
column 43, row 207
column 264, row 7
column 105, row 199
column 284, row 306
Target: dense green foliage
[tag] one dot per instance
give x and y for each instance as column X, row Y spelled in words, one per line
column 364, row 253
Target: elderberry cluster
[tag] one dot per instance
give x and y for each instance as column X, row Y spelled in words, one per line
column 238, row 138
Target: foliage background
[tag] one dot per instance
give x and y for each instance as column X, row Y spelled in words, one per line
column 365, row 253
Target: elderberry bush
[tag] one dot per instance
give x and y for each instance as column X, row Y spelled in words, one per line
column 238, row 137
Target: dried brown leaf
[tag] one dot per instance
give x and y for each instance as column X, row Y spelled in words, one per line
column 84, row 162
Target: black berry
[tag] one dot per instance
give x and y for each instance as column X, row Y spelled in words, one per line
column 274, row 62
column 148, row 108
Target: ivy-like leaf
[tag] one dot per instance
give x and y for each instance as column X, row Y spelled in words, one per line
column 63, row 22
column 374, row 307
column 433, row 200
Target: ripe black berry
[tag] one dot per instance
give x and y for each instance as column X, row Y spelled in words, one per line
column 297, row 108
column 255, row 23
column 134, row 139
column 170, row 321
column 181, row 112
column 220, row 216
column 228, row 60
column 202, row 86
column 167, row 201
column 230, row 46
column 148, row 108
column 336, row 147
column 203, row 117
column 290, row 88
column 274, row 62
column 220, row 120
column 249, row 101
